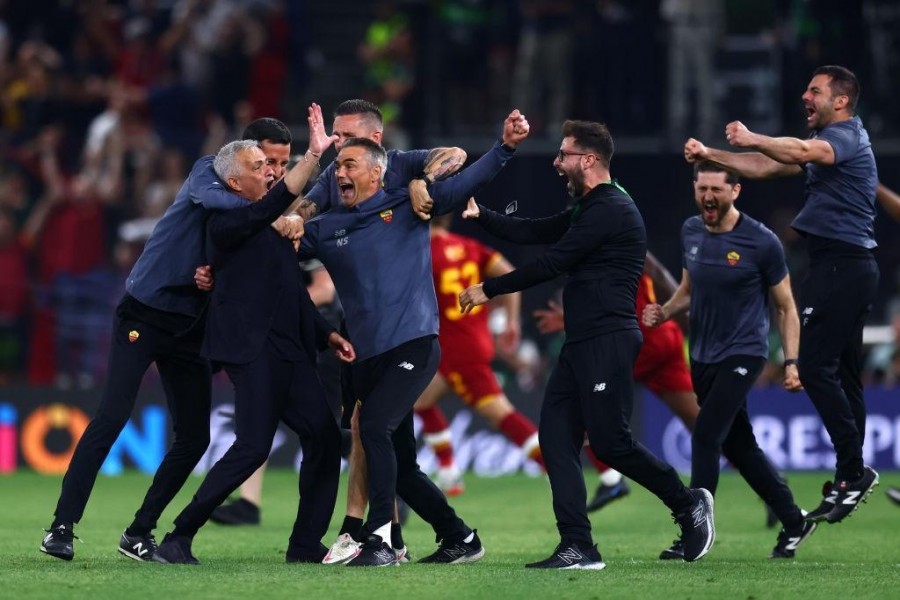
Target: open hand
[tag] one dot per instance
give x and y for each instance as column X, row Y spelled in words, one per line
column 319, row 140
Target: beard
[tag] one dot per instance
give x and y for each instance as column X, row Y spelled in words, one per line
column 575, row 185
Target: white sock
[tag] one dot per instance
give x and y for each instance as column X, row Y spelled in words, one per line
column 384, row 532
column 469, row 539
column 610, row 477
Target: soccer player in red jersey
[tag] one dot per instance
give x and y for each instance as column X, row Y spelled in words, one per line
column 467, row 349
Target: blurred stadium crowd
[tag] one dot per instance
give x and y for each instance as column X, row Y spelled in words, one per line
column 105, row 104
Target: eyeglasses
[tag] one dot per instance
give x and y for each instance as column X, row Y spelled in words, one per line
column 562, row 154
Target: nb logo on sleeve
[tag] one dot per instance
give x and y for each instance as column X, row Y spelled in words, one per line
column 807, row 313
column 407, row 366
column 599, row 387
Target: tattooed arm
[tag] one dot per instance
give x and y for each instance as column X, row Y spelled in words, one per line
column 439, row 163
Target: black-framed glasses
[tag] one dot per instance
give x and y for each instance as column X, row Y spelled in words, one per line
column 562, row 154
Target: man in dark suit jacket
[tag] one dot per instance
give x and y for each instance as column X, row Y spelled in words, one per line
column 263, row 328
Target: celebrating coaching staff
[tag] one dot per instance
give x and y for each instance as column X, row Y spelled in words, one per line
column 838, row 222
column 263, row 327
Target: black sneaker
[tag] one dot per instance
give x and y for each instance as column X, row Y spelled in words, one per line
column 673, row 552
column 829, row 494
column 59, row 542
column 851, row 494
column 894, row 494
column 297, row 555
column 239, row 512
column 138, row 547
column 698, row 528
column 375, row 552
column 569, row 555
column 788, row 541
column 457, row 552
column 176, row 550
column 607, row 493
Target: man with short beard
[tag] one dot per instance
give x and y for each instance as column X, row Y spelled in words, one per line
column 732, row 264
column 600, row 244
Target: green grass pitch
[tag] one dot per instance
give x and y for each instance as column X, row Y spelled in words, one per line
column 859, row 558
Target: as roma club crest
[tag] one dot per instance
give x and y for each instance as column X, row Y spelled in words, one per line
column 133, row 336
column 733, row 258
column 387, row 215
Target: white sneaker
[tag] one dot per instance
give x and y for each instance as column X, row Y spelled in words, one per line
column 449, row 480
column 402, row 554
column 343, row 550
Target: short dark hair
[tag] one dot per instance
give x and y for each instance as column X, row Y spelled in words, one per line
column 267, row 129
column 590, row 135
column 843, row 83
column 707, row 166
column 360, row 107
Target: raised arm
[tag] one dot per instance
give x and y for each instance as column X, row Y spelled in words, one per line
column 319, row 142
column 789, row 328
column 752, row 165
column 547, row 230
column 452, row 194
column 593, row 225
column 785, row 150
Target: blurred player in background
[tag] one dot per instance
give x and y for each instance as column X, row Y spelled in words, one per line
column 467, row 349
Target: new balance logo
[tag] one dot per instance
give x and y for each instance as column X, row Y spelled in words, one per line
column 792, row 543
column 599, row 387
column 851, row 498
column 699, row 516
column 406, row 365
column 139, row 549
column 455, row 552
column 386, row 555
column 741, row 371
column 570, row 556
column 806, row 313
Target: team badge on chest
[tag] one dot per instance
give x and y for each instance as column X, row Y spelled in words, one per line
column 733, row 258
column 387, row 215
